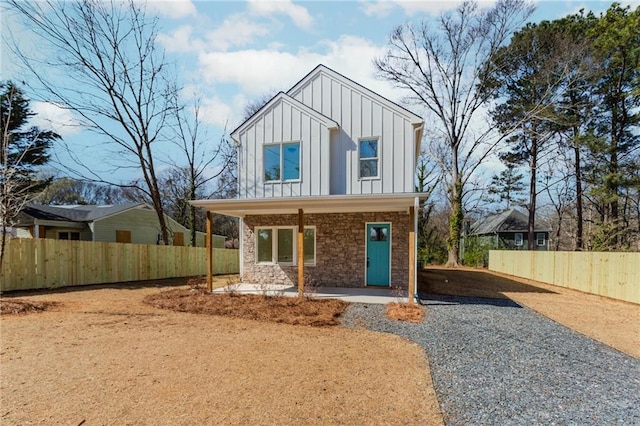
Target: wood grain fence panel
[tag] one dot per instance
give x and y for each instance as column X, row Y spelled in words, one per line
column 615, row 275
column 47, row 263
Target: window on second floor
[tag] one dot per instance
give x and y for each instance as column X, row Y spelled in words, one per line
column 282, row 161
column 369, row 158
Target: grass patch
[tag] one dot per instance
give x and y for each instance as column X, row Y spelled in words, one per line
column 405, row 312
column 20, row 306
column 279, row 309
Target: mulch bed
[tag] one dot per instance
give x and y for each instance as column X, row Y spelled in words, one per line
column 279, row 309
column 405, row 312
column 19, row 306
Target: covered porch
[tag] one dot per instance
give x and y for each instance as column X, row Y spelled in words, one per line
column 324, row 213
column 380, row 296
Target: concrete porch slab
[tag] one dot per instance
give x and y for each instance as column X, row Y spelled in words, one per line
column 379, row 296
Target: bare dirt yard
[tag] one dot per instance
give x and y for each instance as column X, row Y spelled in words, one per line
column 612, row 322
column 100, row 355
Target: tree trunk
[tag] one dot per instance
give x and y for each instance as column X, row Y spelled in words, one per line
column 578, row 172
column 192, row 210
column 533, row 165
column 455, row 223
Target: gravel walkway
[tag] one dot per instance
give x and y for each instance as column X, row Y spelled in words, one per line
column 495, row 362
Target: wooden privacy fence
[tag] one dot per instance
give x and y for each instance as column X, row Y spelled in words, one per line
column 46, row 263
column 615, row 275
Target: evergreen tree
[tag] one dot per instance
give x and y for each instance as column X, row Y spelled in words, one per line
column 614, row 152
column 507, row 186
column 24, row 150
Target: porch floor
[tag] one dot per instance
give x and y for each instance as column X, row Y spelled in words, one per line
column 379, row 296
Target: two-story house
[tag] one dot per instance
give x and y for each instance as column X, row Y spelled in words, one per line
column 326, row 187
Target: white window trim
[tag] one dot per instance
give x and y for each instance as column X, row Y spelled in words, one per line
column 515, row 240
column 282, row 179
column 274, row 245
column 544, row 239
column 379, row 140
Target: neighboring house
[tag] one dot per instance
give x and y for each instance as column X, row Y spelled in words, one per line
column 326, row 187
column 128, row 223
column 509, row 230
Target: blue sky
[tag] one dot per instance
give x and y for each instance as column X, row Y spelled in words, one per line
column 233, row 52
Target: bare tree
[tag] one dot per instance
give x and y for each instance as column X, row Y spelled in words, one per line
column 116, row 79
column 202, row 163
column 442, row 68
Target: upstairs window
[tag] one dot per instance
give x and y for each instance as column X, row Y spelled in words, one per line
column 369, row 158
column 282, row 161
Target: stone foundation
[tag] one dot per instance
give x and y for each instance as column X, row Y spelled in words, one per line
column 340, row 249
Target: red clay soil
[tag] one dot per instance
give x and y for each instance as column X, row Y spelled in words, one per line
column 612, row 322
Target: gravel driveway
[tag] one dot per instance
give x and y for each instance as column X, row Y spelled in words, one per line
column 495, row 362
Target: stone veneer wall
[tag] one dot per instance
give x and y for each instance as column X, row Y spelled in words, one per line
column 340, row 249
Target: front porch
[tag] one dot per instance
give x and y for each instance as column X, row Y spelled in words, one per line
column 335, row 246
column 380, row 296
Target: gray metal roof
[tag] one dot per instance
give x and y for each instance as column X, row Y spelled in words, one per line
column 76, row 213
column 511, row 220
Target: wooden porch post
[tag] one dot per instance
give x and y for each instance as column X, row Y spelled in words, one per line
column 300, row 253
column 209, row 244
column 412, row 255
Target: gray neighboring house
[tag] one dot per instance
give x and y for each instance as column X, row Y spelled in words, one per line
column 509, row 231
column 126, row 223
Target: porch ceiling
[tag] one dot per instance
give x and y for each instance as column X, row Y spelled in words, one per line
column 310, row 205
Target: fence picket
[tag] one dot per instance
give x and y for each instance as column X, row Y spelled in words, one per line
column 615, row 275
column 47, row 263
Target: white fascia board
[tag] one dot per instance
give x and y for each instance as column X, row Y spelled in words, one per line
column 58, row 223
column 413, row 118
column 310, row 205
column 283, row 97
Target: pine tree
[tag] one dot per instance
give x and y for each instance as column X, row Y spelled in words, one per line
column 507, row 186
column 24, row 150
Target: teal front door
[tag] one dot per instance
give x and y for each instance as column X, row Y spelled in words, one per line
column 378, row 254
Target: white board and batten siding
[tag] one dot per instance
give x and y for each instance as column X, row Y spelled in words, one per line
column 328, row 114
column 362, row 114
column 285, row 121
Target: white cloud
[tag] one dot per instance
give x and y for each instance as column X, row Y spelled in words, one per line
column 215, row 111
column 379, row 9
column 175, row 9
column 236, row 30
column 180, row 41
column 257, row 72
column 382, row 8
column 298, row 14
column 49, row 116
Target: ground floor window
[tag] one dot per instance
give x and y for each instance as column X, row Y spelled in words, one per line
column 69, row 235
column 279, row 244
column 518, row 238
column 540, row 240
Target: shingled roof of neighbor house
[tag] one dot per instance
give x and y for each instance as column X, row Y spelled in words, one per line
column 511, row 220
column 76, row 213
